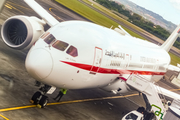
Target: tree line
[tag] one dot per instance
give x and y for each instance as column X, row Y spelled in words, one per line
column 139, row 20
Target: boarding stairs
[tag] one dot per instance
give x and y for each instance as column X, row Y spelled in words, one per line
column 150, row 94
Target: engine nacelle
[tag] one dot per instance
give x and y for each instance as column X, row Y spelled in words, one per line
column 118, row 86
column 20, row 32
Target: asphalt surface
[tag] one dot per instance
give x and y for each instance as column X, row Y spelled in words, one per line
column 17, row 87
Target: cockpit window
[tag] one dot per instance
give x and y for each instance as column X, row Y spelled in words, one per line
column 60, row 45
column 72, row 51
column 49, row 39
column 45, row 35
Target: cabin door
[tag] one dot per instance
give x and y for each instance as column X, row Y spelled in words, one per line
column 97, row 60
column 127, row 58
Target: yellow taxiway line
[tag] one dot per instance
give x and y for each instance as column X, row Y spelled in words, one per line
column 66, row 102
column 4, row 117
column 17, row 108
column 94, row 99
column 8, row 6
column 50, row 9
column 73, row 101
column 11, row 7
column 19, row 6
column 173, row 90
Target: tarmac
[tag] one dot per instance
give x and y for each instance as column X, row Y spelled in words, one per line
column 17, row 87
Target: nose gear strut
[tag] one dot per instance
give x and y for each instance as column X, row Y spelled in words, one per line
column 39, row 98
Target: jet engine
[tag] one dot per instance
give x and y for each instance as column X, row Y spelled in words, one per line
column 118, row 86
column 20, row 32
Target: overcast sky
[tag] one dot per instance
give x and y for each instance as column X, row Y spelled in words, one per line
column 168, row 9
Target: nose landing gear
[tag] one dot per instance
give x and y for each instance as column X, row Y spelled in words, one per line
column 35, row 97
column 43, row 101
column 39, row 98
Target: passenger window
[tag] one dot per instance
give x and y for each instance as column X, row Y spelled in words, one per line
column 49, row 39
column 60, row 45
column 72, row 51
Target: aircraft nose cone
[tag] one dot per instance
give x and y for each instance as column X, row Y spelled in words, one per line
column 39, row 63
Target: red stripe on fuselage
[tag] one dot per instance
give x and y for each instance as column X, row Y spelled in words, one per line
column 178, row 31
column 111, row 71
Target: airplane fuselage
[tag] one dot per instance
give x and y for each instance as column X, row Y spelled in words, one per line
column 78, row 55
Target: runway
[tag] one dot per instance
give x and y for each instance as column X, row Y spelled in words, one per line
column 17, row 87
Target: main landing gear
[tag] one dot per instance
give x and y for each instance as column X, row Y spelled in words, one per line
column 39, row 98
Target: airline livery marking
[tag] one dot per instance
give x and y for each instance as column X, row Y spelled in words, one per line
column 110, row 71
column 178, row 31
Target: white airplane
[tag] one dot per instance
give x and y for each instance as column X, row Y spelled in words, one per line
column 78, row 54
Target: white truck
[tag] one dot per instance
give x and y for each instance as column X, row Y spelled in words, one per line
column 139, row 114
column 173, row 113
column 133, row 115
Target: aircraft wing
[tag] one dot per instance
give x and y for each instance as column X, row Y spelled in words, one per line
column 49, row 19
